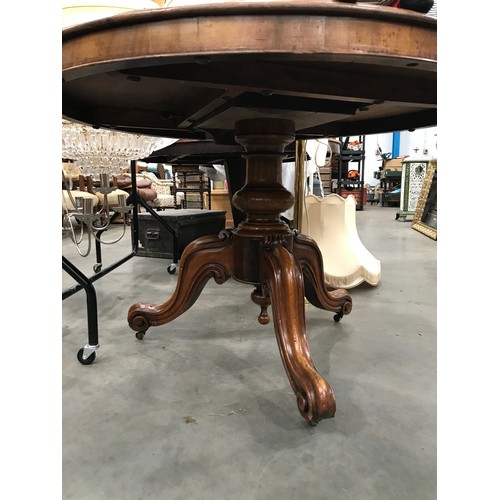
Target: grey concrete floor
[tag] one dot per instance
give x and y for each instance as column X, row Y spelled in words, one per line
column 201, row 408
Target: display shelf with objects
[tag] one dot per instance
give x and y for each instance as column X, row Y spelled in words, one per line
column 325, row 177
column 390, row 181
column 191, row 181
column 351, row 170
column 412, row 178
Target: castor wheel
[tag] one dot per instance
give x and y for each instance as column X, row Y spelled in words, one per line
column 97, row 268
column 88, row 360
column 172, row 268
column 338, row 317
column 139, row 335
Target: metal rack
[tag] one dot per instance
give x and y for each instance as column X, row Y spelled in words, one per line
column 346, row 186
column 86, row 355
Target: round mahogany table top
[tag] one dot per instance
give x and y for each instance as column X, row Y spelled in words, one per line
column 191, row 72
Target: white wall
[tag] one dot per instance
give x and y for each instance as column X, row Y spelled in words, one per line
column 425, row 139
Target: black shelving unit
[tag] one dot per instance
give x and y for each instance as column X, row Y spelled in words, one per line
column 389, row 181
column 345, row 185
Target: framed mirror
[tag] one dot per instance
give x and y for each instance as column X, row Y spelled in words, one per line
column 425, row 218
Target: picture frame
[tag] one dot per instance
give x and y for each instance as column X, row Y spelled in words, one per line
column 425, row 218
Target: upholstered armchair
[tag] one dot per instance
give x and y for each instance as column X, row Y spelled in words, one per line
column 143, row 185
column 165, row 192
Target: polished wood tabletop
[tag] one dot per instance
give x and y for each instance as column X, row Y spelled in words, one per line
column 191, row 72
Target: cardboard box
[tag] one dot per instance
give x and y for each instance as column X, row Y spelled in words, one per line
column 393, row 164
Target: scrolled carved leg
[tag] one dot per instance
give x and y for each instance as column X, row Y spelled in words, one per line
column 205, row 258
column 281, row 273
column 317, row 292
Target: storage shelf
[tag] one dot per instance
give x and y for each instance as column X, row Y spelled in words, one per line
column 346, row 157
column 189, row 176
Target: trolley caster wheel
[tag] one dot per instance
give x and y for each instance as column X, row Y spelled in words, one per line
column 338, row 317
column 97, row 267
column 139, row 335
column 88, row 360
column 172, row 268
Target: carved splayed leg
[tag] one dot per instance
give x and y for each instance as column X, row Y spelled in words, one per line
column 205, row 258
column 263, row 244
column 282, row 274
column 317, row 292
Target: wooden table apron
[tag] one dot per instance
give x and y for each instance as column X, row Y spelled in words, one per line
column 259, row 74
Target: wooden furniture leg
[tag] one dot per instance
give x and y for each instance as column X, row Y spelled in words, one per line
column 282, row 274
column 206, row 257
column 317, row 292
column 264, row 252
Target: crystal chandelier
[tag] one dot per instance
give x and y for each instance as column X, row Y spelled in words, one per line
column 99, row 151
column 100, row 154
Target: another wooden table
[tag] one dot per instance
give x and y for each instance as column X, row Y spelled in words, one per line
column 221, row 201
column 260, row 74
column 204, row 152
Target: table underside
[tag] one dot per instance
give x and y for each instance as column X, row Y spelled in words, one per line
column 192, row 72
